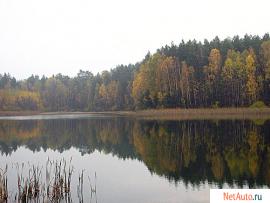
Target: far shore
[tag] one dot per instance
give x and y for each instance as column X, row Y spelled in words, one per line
column 201, row 113
column 167, row 114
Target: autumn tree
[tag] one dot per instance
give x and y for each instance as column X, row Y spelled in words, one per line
column 251, row 84
column 144, row 89
column 188, row 94
column 265, row 58
column 212, row 72
column 167, row 81
column 55, row 95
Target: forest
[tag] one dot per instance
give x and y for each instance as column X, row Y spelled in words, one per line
column 234, row 72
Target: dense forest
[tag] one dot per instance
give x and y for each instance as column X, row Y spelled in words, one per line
column 232, row 72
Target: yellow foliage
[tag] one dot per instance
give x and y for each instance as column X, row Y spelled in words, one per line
column 12, row 100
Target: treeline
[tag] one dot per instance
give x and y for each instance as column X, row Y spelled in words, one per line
column 220, row 73
column 110, row 90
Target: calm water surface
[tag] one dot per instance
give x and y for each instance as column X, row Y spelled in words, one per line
column 140, row 160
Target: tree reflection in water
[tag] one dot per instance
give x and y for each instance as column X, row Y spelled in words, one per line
column 218, row 151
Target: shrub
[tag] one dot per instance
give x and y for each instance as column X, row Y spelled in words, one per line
column 215, row 105
column 258, row 104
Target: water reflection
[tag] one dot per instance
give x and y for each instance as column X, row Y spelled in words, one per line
column 227, row 151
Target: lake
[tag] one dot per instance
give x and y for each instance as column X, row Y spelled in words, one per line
column 136, row 160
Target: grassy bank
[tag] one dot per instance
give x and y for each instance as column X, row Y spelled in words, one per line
column 19, row 113
column 169, row 114
column 207, row 113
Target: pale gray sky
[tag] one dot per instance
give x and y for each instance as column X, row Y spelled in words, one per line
column 52, row 36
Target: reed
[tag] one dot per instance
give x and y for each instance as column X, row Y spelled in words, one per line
column 93, row 189
column 28, row 186
column 59, row 186
column 3, row 185
column 32, row 188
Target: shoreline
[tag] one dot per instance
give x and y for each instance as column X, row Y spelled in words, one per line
column 202, row 113
column 167, row 114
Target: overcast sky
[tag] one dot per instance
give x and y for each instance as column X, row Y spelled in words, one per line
column 52, row 36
